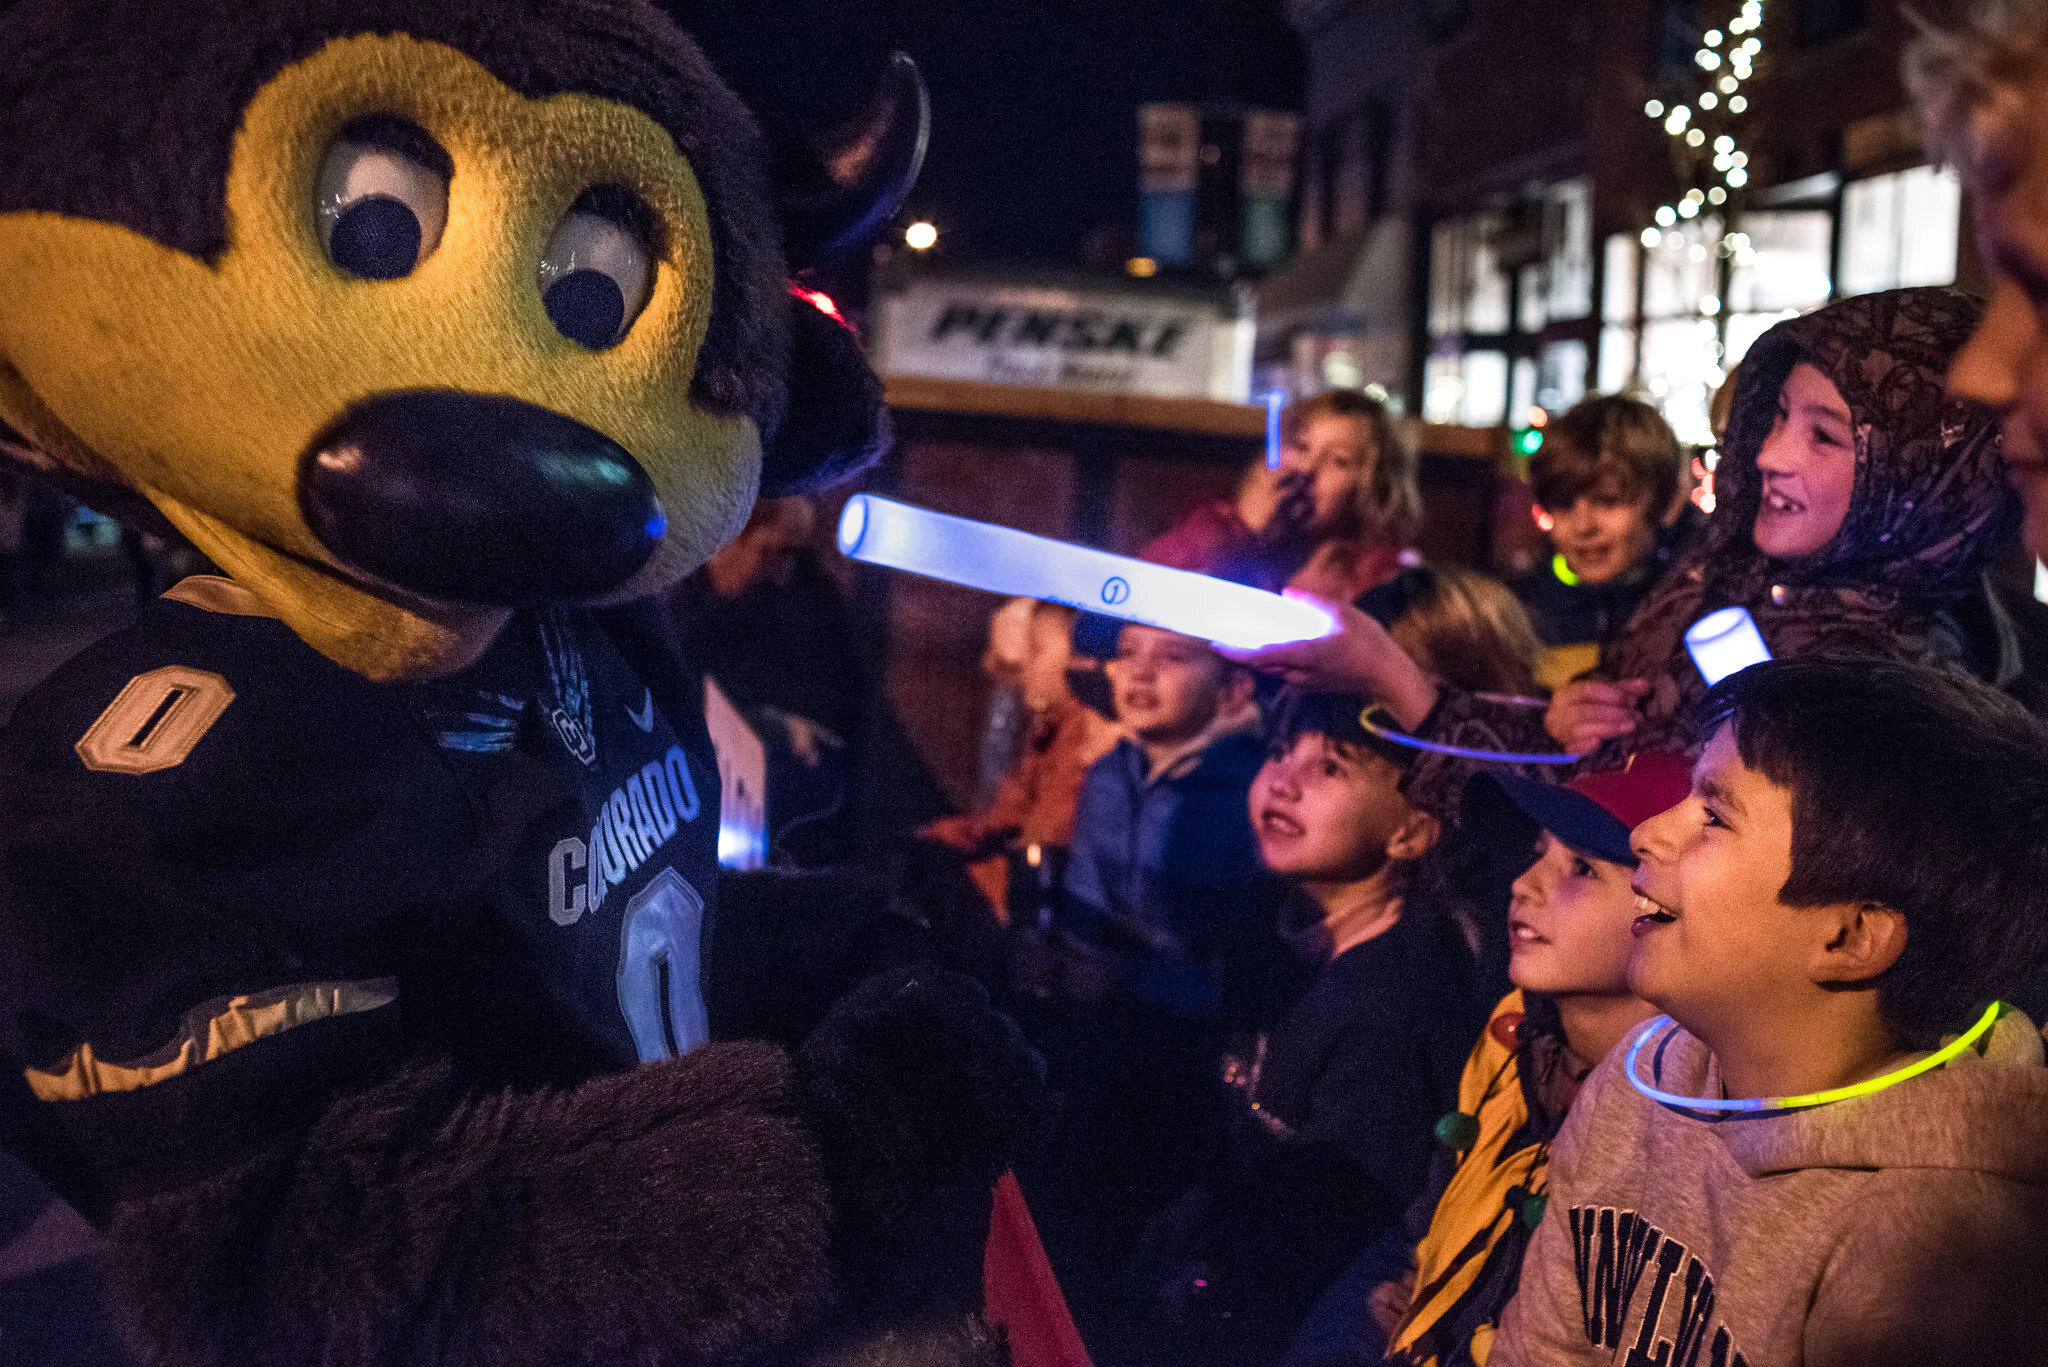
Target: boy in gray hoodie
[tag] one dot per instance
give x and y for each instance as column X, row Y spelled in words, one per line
column 1834, row 1148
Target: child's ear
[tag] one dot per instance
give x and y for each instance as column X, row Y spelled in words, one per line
column 1863, row 940
column 1237, row 687
column 1415, row 836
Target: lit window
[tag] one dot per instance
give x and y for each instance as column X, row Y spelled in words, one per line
column 1681, row 370
column 1680, row 348
column 1522, row 391
column 1568, row 234
column 1679, row 271
column 1617, row 359
column 1486, row 300
column 1784, row 264
column 1486, row 388
column 1901, row 229
column 1562, row 380
column 1618, row 287
column 1443, row 389
column 1468, row 291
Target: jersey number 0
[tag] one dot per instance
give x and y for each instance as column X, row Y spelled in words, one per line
column 154, row 722
column 659, row 992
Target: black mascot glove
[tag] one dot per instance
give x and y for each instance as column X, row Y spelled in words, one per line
column 920, row 1094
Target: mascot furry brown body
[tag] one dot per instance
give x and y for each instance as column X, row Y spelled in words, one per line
column 362, row 951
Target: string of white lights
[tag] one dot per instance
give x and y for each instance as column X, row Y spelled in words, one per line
column 1728, row 60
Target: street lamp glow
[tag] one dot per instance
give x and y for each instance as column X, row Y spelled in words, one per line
column 920, row 236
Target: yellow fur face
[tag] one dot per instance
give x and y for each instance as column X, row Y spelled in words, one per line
column 202, row 386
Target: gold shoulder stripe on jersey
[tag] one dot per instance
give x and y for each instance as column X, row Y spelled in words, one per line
column 217, row 593
column 208, row 1031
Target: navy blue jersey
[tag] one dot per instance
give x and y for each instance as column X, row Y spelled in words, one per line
column 236, row 877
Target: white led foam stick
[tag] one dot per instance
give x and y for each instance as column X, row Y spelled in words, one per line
column 881, row 531
column 1725, row 642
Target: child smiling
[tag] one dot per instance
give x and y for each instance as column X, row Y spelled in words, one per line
column 1859, row 508
column 1794, row 1167
column 1570, row 932
column 1606, row 476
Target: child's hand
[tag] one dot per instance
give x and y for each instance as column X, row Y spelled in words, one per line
column 1358, row 657
column 1274, row 502
column 1586, row 712
column 1389, row 1301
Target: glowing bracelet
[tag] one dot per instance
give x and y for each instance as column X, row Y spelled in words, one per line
column 1459, row 751
column 881, row 531
column 1276, row 399
column 1788, row 1103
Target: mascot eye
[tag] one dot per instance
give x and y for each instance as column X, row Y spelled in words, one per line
column 382, row 197
column 598, row 268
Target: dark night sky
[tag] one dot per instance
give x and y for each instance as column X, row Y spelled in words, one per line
column 1034, row 101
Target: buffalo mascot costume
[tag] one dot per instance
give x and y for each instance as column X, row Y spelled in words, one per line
column 361, row 952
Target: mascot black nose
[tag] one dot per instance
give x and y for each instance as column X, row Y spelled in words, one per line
column 478, row 499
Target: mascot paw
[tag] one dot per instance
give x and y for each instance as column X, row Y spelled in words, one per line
column 949, row 1341
column 919, row 1067
column 920, row 1093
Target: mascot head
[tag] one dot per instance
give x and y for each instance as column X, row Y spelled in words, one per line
column 411, row 314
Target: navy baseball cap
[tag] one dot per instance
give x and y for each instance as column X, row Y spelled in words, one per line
column 1594, row 813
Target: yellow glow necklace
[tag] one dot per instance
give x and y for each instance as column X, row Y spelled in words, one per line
column 1788, row 1103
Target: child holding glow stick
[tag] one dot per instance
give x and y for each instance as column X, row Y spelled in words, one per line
column 1835, row 1150
column 1858, row 509
column 1333, row 518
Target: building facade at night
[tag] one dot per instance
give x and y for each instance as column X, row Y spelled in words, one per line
column 1507, row 204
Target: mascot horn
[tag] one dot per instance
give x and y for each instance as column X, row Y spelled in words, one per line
column 363, row 963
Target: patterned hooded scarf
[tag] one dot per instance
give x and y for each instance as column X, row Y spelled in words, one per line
column 1929, row 512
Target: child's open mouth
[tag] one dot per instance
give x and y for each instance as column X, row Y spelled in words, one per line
column 1779, row 503
column 1272, row 822
column 1650, row 912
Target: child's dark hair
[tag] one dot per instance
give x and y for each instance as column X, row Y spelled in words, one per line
column 1297, row 712
column 1917, row 788
column 1607, row 440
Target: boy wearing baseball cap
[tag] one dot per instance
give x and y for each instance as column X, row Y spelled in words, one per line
column 1569, row 924
column 1833, row 1149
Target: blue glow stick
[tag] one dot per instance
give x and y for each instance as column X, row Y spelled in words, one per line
column 881, row 531
column 1465, row 751
column 1725, row 642
column 1276, row 399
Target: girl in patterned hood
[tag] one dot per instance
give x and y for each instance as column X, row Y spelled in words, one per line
column 1859, row 508
column 1902, row 574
